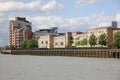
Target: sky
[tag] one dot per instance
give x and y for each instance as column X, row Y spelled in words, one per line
column 67, row 15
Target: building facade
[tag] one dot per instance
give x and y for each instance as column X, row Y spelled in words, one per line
column 102, row 30
column 109, row 31
column 19, row 29
column 114, row 31
column 78, row 39
column 59, row 41
column 46, row 41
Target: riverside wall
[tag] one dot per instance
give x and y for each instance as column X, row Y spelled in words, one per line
column 93, row 53
column 6, row 51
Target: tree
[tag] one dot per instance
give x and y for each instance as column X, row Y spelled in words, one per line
column 116, row 40
column 102, row 39
column 10, row 46
column 84, row 42
column 34, row 43
column 23, row 43
column 77, row 43
column 29, row 44
column 92, row 40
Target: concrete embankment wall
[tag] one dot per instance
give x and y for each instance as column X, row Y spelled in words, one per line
column 95, row 53
column 6, row 51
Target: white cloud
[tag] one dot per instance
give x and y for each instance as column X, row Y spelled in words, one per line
column 32, row 6
column 17, row 6
column 9, row 0
column 73, row 24
column 81, row 3
column 52, row 6
column 118, row 17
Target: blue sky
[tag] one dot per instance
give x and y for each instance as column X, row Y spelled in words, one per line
column 109, row 7
column 67, row 15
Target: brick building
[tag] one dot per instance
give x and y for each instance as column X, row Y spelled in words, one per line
column 19, row 29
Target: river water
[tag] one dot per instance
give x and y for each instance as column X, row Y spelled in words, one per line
column 24, row 67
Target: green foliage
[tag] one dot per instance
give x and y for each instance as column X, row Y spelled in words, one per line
column 29, row 44
column 67, row 46
column 102, row 39
column 84, row 42
column 77, row 43
column 23, row 43
column 92, row 40
column 116, row 40
column 10, row 47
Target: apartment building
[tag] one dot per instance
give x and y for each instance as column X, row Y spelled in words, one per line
column 104, row 30
column 46, row 41
column 60, row 41
column 98, row 31
column 114, row 31
column 19, row 29
column 70, row 39
column 80, row 37
column 109, row 31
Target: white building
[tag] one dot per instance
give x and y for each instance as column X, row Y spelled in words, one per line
column 59, row 41
column 46, row 41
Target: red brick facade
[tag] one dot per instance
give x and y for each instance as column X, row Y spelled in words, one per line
column 19, row 29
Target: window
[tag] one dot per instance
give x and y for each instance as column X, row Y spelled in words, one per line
column 61, row 43
column 46, row 42
column 42, row 42
column 56, row 43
